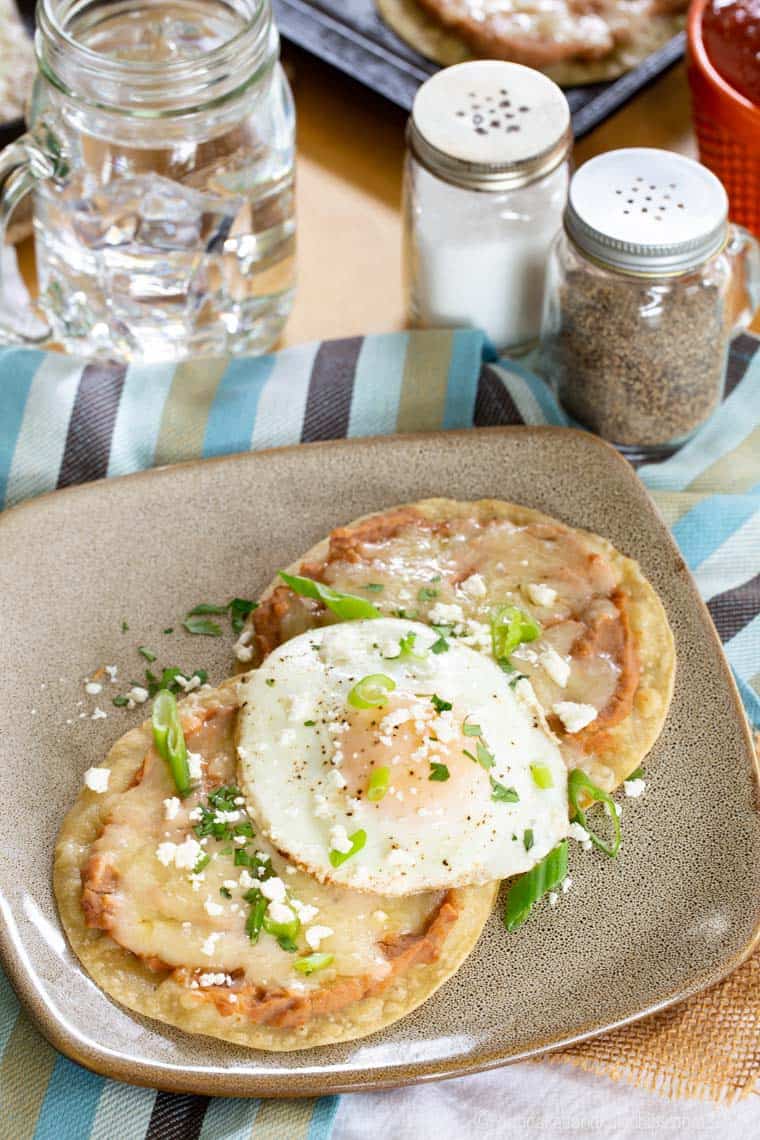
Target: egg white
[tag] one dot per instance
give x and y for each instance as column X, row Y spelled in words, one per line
column 306, row 783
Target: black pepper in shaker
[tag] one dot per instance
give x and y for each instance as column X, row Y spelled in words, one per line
column 639, row 303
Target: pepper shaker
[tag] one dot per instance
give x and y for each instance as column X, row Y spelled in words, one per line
column 485, row 185
column 644, row 288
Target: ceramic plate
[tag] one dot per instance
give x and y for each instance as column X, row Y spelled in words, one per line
column 675, row 912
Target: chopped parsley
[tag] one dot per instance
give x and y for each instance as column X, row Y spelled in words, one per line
column 237, row 608
column 485, row 758
column 255, row 919
column 440, row 646
column 439, row 704
column 124, row 627
column 427, row 594
column 168, row 680
column 222, row 800
column 225, row 892
column 269, row 681
column 202, row 626
column 148, row 654
column 169, row 629
column 438, row 772
column 120, row 702
column 203, row 861
column 528, row 838
column 309, row 723
column 406, row 649
column 206, row 608
column 501, row 794
column 374, row 587
column 471, row 729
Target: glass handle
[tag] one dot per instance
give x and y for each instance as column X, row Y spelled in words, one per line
column 743, row 251
column 22, row 165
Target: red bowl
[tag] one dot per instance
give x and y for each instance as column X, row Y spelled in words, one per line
column 727, row 127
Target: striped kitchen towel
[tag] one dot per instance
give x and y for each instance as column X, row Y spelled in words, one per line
column 64, row 422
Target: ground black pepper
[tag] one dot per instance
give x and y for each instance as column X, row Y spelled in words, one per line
column 640, row 361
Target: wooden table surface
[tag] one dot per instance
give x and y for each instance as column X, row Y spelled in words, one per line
column 350, row 157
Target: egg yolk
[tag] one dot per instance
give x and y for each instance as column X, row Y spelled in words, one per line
column 422, row 749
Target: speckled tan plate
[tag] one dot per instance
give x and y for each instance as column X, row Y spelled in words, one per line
column 677, row 910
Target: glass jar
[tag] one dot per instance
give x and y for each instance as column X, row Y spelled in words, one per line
column 485, row 185
column 160, row 160
column 644, row 289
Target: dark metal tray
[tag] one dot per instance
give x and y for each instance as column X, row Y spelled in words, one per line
column 350, row 35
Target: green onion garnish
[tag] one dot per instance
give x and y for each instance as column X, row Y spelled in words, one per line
column 501, row 794
column 374, row 587
column 406, row 650
column 527, row 889
column 379, row 782
column 309, row 723
column 427, row 594
column 510, row 627
column 346, row 606
column 200, row 625
column 358, row 839
column 638, row 774
column 313, row 962
column 120, row 702
column 285, row 932
column 124, row 627
column 371, row 692
column 440, row 646
column 206, row 608
column 255, row 919
column 225, row 892
column 439, row 704
column 269, row 681
column 203, row 861
column 542, row 776
column 148, row 654
column 471, row 729
column 528, row 838
column 169, row 739
column 438, row 772
column 169, row 629
column 579, row 785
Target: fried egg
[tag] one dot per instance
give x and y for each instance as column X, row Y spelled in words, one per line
column 380, row 756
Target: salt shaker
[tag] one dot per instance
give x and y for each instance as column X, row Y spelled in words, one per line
column 644, row 289
column 485, row 185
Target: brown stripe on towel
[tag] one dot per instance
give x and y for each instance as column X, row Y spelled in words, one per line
column 743, row 349
column 88, row 441
column 328, row 404
column 494, row 405
column 734, row 609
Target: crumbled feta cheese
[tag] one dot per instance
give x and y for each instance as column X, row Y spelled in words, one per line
column 214, row 979
column 208, row 946
column 244, row 653
column 576, row 831
column 398, row 857
column 188, row 684
column 321, row 806
column 96, row 779
column 111, row 670
column 553, row 899
column 541, row 595
column 195, row 814
column 273, row 889
column 138, row 694
column 567, row 883
column 171, row 807
column 379, row 916
column 185, row 854
column 213, row 908
column 475, row 586
column 339, row 840
column 338, row 778
column 305, row 911
column 280, row 913
column 230, row 884
column 195, row 765
column 316, row 934
column 93, row 688
column 443, row 614
column 98, row 714
column 574, row 716
column 247, row 880
column 557, row 667
column 288, row 738
column 634, row 788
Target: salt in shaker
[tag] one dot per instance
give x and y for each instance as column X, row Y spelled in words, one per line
column 485, row 185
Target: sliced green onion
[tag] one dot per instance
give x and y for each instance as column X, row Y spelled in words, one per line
column 427, row 594
column 485, row 758
column 240, row 608
column 501, row 794
column 206, row 608
column 638, row 774
column 579, row 785
column 528, row 838
column 542, row 776
column 345, row 606
column 439, row 704
column 510, row 627
column 406, row 650
column 471, row 729
column 313, row 962
column 438, row 772
column 371, row 692
column 374, row 587
column 379, row 782
column 169, row 739
column 255, row 919
column 440, row 646
column 527, row 889
column 358, row 839
column 287, row 931
column 148, row 654
column 203, row 861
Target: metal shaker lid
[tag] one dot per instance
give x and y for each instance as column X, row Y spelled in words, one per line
column 647, row 211
column 490, row 125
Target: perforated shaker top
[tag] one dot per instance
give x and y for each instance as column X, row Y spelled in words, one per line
column 647, row 211
column 489, row 124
